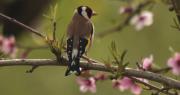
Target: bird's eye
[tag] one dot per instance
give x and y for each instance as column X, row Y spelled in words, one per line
column 89, row 12
column 79, row 10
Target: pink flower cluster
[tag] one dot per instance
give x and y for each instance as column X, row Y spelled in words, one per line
column 87, row 84
column 127, row 83
column 144, row 18
column 7, row 46
column 174, row 63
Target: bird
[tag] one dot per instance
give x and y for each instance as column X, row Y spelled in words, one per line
column 80, row 35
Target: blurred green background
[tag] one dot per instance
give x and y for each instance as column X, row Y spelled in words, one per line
column 155, row 40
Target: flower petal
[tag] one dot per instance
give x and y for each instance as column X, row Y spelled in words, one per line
column 136, row 89
column 83, row 89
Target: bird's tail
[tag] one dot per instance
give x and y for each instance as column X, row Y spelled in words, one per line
column 73, row 67
column 75, row 49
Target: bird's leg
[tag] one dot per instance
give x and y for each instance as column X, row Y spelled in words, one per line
column 86, row 53
column 87, row 58
column 89, row 61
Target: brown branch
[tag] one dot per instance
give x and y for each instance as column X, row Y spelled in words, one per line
column 94, row 66
column 54, row 30
column 154, row 77
column 121, row 26
column 4, row 17
column 152, row 87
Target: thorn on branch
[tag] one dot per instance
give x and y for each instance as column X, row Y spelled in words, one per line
column 139, row 66
column 54, row 30
column 32, row 69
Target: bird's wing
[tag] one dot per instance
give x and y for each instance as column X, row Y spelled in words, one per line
column 70, row 30
column 91, row 36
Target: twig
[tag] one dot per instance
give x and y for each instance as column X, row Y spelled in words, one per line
column 126, row 21
column 152, row 87
column 32, row 69
column 54, row 30
column 94, row 66
column 21, row 24
column 154, row 70
column 31, row 47
column 176, row 7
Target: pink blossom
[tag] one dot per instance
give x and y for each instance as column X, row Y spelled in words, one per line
column 174, row 63
column 25, row 53
column 1, row 40
column 136, row 89
column 100, row 76
column 141, row 20
column 122, row 84
column 147, row 62
column 127, row 83
column 87, row 84
column 126, row 10
column 8, row 46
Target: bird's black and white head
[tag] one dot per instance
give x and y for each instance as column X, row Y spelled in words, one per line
column 85, row 11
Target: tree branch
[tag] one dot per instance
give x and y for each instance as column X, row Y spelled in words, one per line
column 152, row 87
column 20, row 24
column 94, row 66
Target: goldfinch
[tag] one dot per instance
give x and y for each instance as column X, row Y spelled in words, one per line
column 80, row 33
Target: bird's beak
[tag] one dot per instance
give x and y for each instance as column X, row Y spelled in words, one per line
column 94, row 13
